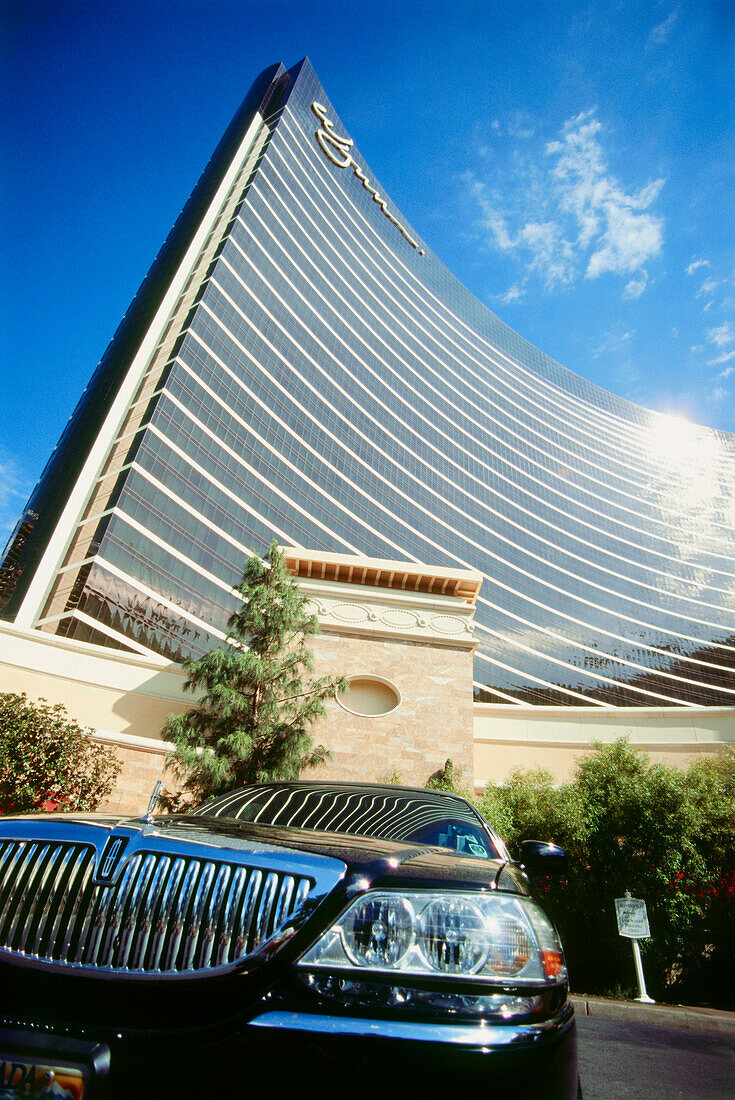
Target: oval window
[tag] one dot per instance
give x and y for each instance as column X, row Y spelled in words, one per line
column 370, row 696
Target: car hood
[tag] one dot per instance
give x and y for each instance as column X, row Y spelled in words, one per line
column 372, row 861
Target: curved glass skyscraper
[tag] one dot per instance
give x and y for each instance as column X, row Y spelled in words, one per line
column 298, row 365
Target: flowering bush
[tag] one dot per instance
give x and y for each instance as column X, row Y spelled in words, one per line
column 47, row 761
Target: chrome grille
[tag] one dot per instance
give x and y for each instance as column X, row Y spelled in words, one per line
column 167, row 914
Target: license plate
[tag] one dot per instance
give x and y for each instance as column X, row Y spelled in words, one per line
column 19, row 1078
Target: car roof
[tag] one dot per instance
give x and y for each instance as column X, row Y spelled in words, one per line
column 398, row 804
column 345, row 785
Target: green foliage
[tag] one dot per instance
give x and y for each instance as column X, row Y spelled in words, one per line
column 705, row 972
column 394, row 778
column 640, row 839
column 259, row 701
column 446, row 779
column 663, row 834
column 47, row 761
column 529, row 807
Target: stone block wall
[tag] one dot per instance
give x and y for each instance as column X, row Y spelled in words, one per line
column 432, row 724
column 140, row 772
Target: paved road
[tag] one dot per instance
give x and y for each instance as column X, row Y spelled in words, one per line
column 628, row 1060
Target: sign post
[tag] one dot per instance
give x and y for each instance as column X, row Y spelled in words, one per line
column 633, row 923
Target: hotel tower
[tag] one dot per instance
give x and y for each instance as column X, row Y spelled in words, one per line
column 298, row 365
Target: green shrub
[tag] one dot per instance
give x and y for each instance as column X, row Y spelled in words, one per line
column 628, row 824
column 394, row 778
column 705, row 971
column 49, row 762
column 529, row 807
column 446, row 779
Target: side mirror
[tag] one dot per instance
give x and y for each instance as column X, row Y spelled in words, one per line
column 542, row 857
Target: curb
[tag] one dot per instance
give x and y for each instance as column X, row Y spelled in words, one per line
column 691, row 1019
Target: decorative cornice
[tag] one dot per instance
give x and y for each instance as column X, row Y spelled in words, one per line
column 377, row 598
column 400, row 576
column 376, row 614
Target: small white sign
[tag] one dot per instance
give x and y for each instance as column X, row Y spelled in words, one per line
column 632, row 918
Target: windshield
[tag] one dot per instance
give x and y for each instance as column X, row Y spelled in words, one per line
column 434, row 819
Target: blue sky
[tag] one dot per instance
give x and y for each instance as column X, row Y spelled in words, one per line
column 572, row 163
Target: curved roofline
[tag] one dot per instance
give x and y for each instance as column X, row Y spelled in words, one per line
column 304, row 68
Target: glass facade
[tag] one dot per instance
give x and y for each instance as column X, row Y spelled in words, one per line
column 322, row 379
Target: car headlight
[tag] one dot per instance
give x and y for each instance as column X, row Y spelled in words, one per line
column 489, row 937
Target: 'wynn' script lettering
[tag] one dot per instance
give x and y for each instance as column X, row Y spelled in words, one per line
column 338, row 150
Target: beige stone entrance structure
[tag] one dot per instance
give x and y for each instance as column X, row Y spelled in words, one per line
column 403, row 635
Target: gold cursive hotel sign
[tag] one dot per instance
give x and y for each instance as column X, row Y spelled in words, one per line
column 338, row 150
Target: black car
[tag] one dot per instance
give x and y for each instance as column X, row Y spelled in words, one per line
column 339, row 937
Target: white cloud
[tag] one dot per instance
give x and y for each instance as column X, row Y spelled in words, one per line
column 722, row 335
column 660, row 33
column 635, row 287
column 567, row 214
column 499, row 228
column 726, row 357
column 707, row 287
column 612, row 341
column 625, row 236
column 521, row 126
column 552, row 255
column 513, row 294
column 697, row 264
column 727, row 371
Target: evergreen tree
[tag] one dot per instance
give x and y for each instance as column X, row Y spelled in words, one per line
column 259, row 701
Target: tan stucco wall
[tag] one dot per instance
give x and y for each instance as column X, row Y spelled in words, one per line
column 494, row 762
column 506, row 738
column 141, row 769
